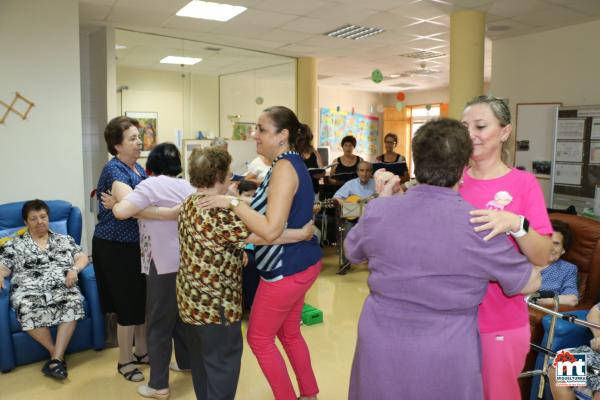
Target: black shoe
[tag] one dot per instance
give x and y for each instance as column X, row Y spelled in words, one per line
column 56, row 369
column 344, row 268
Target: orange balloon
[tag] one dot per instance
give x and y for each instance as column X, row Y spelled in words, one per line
column 400, row 96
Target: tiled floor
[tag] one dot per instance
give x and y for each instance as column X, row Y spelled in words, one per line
column 93, row 375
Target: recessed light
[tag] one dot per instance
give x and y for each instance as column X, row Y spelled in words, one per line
column 354, row 32
column 209, row 10
column 120, row 47
column 394, row 76
column 180, row 60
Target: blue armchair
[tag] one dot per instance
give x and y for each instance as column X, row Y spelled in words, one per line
column 16, row 346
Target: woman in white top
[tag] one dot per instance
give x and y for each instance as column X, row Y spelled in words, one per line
column 257, row 169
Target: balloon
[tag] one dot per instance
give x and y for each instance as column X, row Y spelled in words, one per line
column 400, row 96
column 399, row 106
column 376, row 76
column 428, row 107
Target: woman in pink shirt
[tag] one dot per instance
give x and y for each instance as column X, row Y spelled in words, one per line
column 510, row 201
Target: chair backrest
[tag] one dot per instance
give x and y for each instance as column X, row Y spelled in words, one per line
column 584, row 253
column 64, row 217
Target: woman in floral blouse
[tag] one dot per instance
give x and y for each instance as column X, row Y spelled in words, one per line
column 209, row 280
column 44, row 267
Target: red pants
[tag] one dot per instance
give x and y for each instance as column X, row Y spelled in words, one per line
column 276, row 311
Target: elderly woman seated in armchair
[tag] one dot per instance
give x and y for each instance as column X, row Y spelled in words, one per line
column 44, row 267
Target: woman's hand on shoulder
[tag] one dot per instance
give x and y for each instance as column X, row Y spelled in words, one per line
column 497, row 222
column 214, row 201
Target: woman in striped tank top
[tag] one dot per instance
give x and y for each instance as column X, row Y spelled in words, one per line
column 287, row 270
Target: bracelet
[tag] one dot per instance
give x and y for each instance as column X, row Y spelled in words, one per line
column 74, row 268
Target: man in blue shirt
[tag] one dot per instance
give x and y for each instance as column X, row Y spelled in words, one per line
column 364, row 187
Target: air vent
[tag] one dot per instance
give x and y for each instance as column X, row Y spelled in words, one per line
column 321, row 77
column 423, row 55
column 404, row 85
column 354, row 32
column 213, row 48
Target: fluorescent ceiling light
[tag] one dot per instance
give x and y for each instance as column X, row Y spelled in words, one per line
column 210, row 10
column 394, row 76
column 180, row 60
column 120, row 47
column 354, row 32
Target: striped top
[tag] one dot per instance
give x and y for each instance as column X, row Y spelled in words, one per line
column 277, row 261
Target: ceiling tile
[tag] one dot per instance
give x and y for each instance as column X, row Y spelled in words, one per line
column 591, row 7
column 551, row 16
column 345, row 13
column 171, row 6
column 192, row 24
column 253, row 17
column 128, row 15
column 283, row 35
column 310, row 25
column 510, row 8
column 290, row 7
column 93, row 12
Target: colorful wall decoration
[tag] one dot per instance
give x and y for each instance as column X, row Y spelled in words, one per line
column 334, row 125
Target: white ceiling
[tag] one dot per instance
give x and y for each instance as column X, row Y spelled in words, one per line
column 296, row 27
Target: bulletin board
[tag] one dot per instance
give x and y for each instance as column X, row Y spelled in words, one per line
column 576, row 163
column 334, row 125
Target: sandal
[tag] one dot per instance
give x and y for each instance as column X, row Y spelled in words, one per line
column 135, row 375
column 139, row 359
column 55, row 368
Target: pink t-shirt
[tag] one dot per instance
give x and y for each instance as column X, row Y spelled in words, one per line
column 520, row 193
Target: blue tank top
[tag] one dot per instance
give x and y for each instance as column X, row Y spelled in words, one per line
column 276, row 261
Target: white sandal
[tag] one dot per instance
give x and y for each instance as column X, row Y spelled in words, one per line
column 147, row 391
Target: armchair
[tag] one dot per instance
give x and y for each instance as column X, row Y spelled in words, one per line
column 16, row 346
column 585, row 254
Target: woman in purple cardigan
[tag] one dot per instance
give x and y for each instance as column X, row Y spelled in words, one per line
column 417, row 334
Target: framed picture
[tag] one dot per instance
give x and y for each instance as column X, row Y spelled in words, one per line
column 148, row 129
column 188, row 146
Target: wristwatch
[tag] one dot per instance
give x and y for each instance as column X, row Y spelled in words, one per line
column 523, row 228
column 233, row 203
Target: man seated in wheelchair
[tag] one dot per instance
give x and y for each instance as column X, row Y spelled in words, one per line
column 560, row 276
column 356, row 191
column 44, row 266
column 592, row 352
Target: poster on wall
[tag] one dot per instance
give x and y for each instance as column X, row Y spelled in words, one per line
column 148, row 129
column 334, row 125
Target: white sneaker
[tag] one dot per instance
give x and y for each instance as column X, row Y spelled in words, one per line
column 147, row 391
column 174, row 367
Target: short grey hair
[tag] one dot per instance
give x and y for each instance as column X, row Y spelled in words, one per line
column 368, row 164
column 217, row 142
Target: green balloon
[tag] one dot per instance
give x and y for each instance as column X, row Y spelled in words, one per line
column 376, row 76
column 399, row 106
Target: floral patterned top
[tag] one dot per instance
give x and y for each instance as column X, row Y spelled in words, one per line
column 209, row 280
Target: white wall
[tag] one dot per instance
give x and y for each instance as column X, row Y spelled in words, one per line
column 363, row 102
column 187, row 103
column 39, row 47
column 239, row 91
column 559, row 65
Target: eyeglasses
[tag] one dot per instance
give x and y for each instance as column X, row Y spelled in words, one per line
column 388, row 142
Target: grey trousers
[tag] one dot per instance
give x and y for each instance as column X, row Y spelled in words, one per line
column 163, row 325
column 216, row 357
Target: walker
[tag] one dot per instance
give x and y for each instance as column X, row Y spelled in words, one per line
column 580, row 393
